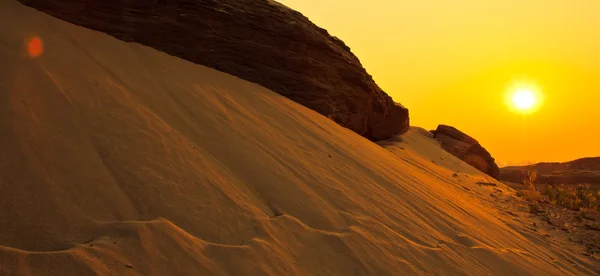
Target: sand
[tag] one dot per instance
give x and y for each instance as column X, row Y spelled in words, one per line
column 121, row 160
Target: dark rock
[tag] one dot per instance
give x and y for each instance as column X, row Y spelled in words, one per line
column 467, row 149
column 257, row 40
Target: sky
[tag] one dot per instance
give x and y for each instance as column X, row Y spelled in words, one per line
column 452, row 62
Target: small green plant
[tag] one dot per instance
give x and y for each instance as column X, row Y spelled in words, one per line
column 592, row 249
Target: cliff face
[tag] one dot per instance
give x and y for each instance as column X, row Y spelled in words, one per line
column 257, row 40
column 580, row 171
column 466, row 148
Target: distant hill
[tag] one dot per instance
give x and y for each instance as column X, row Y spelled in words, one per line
column 580, row 171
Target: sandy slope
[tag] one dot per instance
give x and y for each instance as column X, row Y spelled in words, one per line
column 120, row 160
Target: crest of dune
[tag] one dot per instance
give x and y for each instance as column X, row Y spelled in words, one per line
column 117, row 159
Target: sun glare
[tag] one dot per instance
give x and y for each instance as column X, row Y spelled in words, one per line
column 524, row 98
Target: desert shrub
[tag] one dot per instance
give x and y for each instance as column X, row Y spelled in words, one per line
column 532, row 193
column 574, row 198
column 581, row 197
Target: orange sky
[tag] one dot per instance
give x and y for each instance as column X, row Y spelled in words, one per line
column 450, row 61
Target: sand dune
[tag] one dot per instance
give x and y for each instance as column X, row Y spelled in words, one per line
column 121, row 160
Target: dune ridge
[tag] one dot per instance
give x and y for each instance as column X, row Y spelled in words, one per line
column 118, row 159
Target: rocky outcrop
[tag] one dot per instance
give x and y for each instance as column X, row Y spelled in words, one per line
column 257, row 40
column 580, row 171
column 466, row 148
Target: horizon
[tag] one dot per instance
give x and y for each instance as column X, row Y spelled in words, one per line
column 438, row 59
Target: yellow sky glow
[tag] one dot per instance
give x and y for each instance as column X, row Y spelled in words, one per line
column 451, row 62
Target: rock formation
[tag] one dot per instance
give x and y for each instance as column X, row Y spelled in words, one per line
column 257, row 40
column 466, row 148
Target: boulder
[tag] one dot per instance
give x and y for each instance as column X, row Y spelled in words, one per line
column 467, row 149
column 257, row 40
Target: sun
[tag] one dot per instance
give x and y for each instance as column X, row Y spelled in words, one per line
column 524, row 98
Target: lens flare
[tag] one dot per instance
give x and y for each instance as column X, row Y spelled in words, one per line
column 35, row 47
